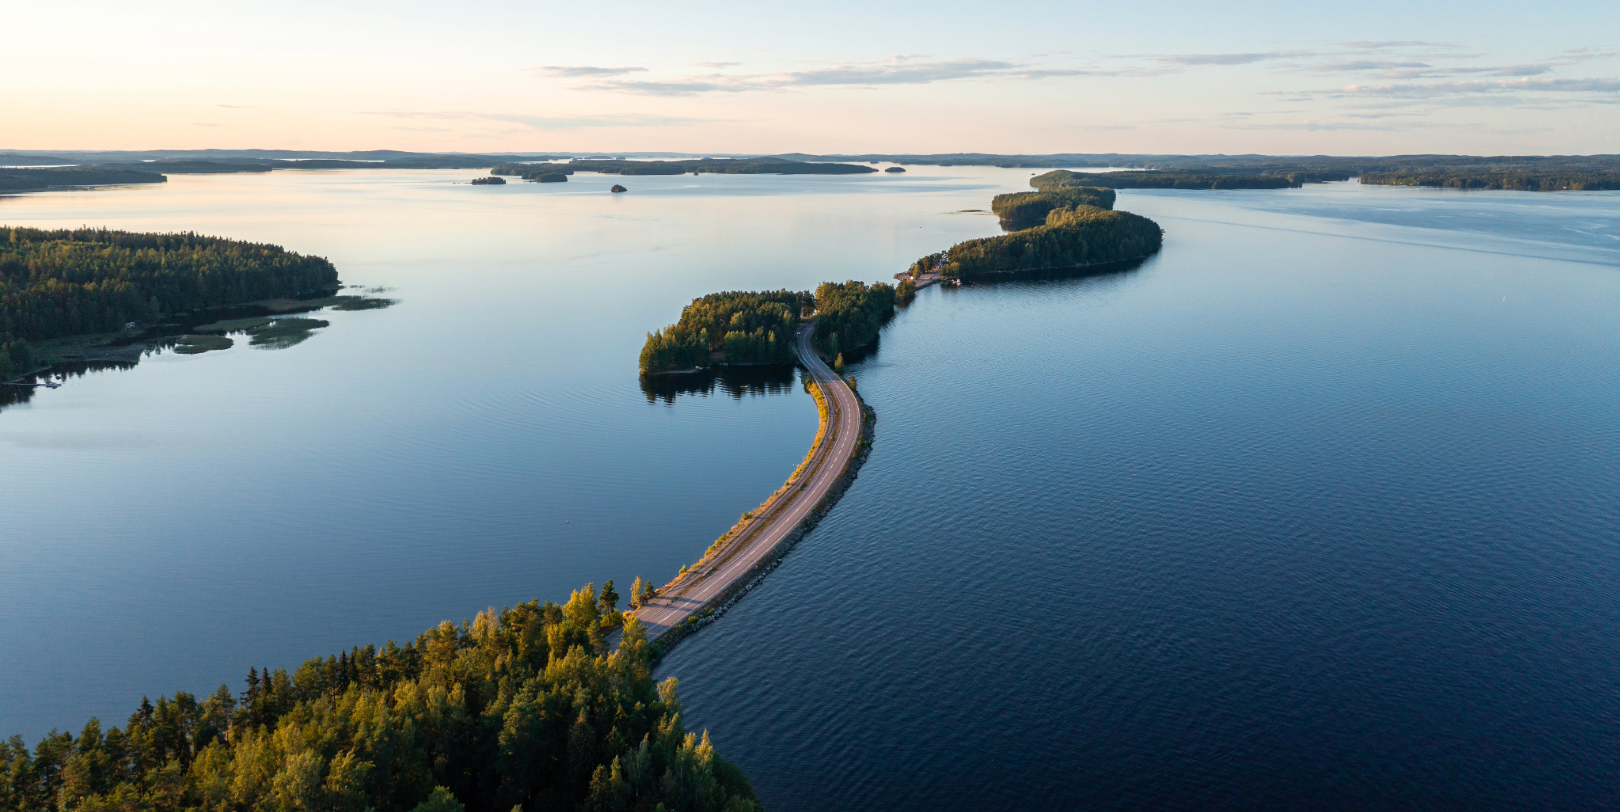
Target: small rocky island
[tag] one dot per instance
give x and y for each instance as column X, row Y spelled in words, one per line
column 895, row 169
column 617, row 188
column 489, row 181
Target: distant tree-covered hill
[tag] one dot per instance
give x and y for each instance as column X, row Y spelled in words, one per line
column 1063, row 178
column 721, row 166
column 40, row 179
column 1530, row 181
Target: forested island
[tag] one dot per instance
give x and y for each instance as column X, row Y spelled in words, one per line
column 75, row 282
column 40, row 179
column 1019, row 210
column 742, row 327
column 1065, row 225
column 719, row 166
column 1524, row 181
column 524, row 708
column 735, row 327
column 1176, row 180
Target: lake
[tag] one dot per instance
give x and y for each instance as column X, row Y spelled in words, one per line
column 1315, row 509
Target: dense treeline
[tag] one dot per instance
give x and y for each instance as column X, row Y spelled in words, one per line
column 1021, row 210
column 34, row 180
column 78, row 281
column 1071, row 237
column 1062, row 178
column 1528, row 181
column 1306, row 168
column 742, row 327
column 532, row 171
column 720, row 166
column 520, row 708
column 849, row 315
column 16, row 357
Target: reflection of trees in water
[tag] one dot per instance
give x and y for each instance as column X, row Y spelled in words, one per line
column 13, row 395
column 735, row 381
column 1099, row 271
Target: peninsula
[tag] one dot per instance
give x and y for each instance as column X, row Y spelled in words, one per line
column 67, row 291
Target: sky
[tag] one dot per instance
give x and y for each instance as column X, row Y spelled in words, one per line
column 830, row 77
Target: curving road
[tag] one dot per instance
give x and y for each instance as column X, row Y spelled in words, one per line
column 773, row 520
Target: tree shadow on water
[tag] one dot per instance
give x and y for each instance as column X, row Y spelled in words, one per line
column 736, row 381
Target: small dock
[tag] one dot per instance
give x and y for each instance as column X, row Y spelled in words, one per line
column 921, row 282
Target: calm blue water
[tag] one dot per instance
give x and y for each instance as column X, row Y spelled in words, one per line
column 1315, row 510
column 1310, row 512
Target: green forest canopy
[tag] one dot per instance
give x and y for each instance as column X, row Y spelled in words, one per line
column 519, row 708
column 1020, row 210
column 849, row 315
column 743, row 327
column 740, row 327
column 70, row 282
column 1071, row 237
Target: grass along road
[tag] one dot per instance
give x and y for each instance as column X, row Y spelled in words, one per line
column 751, row 541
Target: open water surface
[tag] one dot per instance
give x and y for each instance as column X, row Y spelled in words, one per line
column 1317, row 509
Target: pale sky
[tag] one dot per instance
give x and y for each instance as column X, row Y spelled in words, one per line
column 1010, row 77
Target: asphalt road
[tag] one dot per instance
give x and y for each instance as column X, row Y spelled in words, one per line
column 777, row 517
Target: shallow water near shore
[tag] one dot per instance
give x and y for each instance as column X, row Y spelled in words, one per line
column 1315, row 509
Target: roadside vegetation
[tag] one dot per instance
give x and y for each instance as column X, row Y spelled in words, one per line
column 522, row 708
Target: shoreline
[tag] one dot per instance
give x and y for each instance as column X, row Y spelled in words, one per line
column 740, row 557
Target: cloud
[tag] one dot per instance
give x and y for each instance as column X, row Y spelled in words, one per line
column 550, row 122
column 717, row 65
column 1379, row 45
column 897, row 70
column 1352, row 65
column 1441, row 89
column 1189, row 60
column 1307, row 125
column 581, row 71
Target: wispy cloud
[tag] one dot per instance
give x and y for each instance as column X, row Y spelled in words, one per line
column 1192, row 60
column 895, row 70
column 717, row 65
column 549, row 122
column 1478, row 86
column 582, row 71
column 1381, row 45
column 1357, row 65
column 1306, row 125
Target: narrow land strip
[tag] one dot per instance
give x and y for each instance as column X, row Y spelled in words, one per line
column 751, row 543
